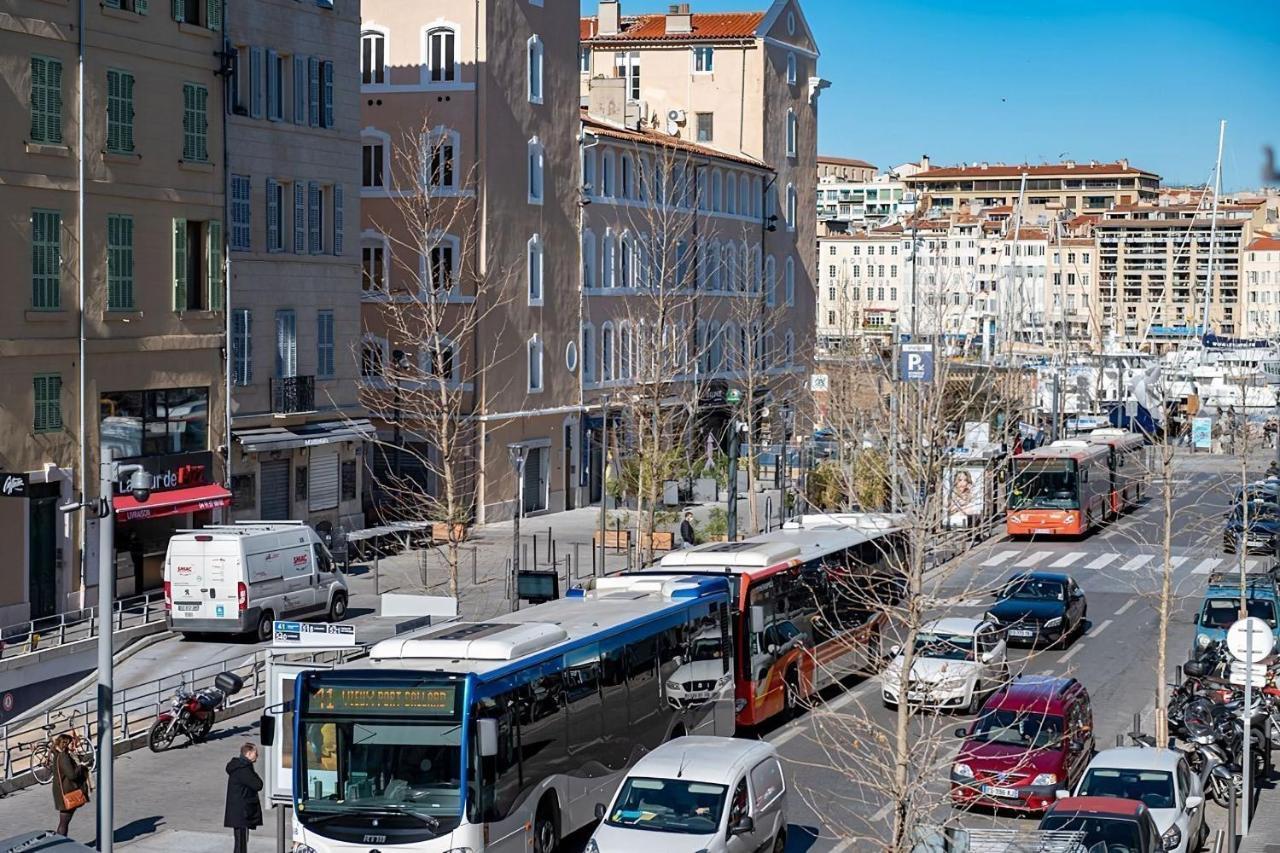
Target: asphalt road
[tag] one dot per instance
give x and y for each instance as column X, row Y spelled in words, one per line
column 835, row 753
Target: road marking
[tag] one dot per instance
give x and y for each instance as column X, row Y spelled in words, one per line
column 1096, row 631
column 1206, row 566
column 1066, row 560
column 882, row 813
column 1252, row 565
column 1032, row 559
column 1125, row 607
column 1102, row 560
column 1175, row 562
column 1137, row 562
column 797, row 728
column 846, row 844
column 996, row 560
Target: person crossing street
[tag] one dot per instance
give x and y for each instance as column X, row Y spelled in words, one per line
column 244, row 808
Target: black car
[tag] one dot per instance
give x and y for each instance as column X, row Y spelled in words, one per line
column 1035, row 607
column 1263, row 528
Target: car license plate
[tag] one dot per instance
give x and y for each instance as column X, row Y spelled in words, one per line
column 917, row 696
column 1003, row 793
column 188, row 608
column 1021, row 632
column 1044, row 530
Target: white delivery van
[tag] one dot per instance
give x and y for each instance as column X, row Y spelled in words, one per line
column 703, row 794
column 239, row 578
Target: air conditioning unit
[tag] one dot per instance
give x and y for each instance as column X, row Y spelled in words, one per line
column 676, row 116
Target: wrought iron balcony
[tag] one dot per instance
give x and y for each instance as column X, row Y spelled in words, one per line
column 293, row 394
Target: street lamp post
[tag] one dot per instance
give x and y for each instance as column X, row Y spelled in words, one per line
column 140, row 485
column 518, row 453
column 604, row 474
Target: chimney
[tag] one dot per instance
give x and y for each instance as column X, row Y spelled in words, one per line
column 924, row 162
column 1070, row 164
column 983, row 166
column 1124, row 162
column 678, row 18
column 608, row 18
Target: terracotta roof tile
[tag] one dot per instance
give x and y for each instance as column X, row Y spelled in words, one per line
column 845, row 161
column 706, row 26
column 653, row 137
column 1006, row 171
column 1264, row 244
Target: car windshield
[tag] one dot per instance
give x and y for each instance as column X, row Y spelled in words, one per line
column 930, row 644
column 1153, row 787
column 1257, row 510
column 1019, row 728
column 411, row 765
column 706, row 648
column 668, row 805
column 1117, row 834
column 1222, row 612
column 1035, row 589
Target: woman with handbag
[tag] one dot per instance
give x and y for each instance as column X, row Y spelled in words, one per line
column 70, row 783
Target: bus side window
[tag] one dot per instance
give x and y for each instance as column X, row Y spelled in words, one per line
column 501, row 774
column 542, row 738
column 582, row 692
column 613, row 701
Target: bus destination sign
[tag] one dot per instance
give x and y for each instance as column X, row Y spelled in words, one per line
column 437, row 700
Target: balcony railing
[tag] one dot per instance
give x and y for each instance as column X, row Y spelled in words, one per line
column 293, row 394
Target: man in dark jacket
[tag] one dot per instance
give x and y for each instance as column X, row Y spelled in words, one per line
column 686, row 531
column 244, row 809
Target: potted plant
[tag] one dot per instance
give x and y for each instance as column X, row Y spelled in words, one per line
column 716, row 528
column 660, row 540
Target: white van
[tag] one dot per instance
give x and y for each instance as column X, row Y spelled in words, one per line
column 239, row 578
column 717, row 794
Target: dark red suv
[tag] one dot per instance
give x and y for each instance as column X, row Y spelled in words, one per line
column 1031, row 739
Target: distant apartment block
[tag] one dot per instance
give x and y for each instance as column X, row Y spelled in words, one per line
column 1262, row 283
column 1080, row 187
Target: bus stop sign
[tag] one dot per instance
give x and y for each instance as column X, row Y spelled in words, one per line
column 915, row 363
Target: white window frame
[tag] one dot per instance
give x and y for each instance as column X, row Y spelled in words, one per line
column 717, row 191
column 535, row 183
column 373, row 136
column 607, row 186
column 608, row 356
column 608, row 259
column 770, row 281
column 535, row 60
column 703, row 59
column 587, row 356
column 370, row 339
column 792, row 207
column 584, row 52
column 793, row 133
column 437, row 133
column 590, row 261
column 376, row 239
column 454, row 379
column 371, row 33
column 791, row 68
column 535, row 283
column 789, row 289
column 433, row 239
column 454, row 74
column 534, row 352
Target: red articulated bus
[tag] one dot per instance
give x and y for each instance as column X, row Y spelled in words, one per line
column 1129, row 465
column 1060, row 490
column 804, row 608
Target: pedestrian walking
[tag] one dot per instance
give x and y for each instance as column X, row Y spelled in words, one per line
column 70, row 783
column 244, row 809
column 686, row 531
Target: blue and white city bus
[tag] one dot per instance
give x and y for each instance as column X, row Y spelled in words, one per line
column 503, row 734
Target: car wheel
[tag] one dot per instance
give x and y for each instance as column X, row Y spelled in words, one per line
column 975, row 699
column 338, row 607
column 265, row 624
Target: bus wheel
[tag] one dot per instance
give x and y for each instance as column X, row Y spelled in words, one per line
column 546, row 826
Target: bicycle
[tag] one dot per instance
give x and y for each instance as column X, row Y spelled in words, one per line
column 43, row 758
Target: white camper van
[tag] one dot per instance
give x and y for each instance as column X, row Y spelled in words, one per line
column 239, row 578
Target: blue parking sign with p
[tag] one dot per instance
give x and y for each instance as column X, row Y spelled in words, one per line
column 915, row 363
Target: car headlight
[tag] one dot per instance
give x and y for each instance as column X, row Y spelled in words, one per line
column 673, row 685
column 592, row 847
column 1045, row 779
column 964, row 771
column 1054, row 622
column 1172, row 837
column 304, row 848
column 1202, row 641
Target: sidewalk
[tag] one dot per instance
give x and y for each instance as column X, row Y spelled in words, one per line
column 1264, row 830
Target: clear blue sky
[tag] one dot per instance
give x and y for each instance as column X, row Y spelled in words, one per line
column 1033, row 80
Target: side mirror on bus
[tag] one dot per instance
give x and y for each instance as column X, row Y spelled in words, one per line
column 599, row 811
column 267, row 729
column 488, row 736
column 757, row 620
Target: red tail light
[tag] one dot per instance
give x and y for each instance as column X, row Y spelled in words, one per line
column 168, row 595
column 242, row 593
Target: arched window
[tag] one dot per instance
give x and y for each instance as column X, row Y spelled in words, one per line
column 535, row 69
column 588, row 353
column 790, row 292
column 791, row 207
column 744, row 195
column 700, row 346
column 757, row 190
column 534, row 349
column 715, row 260
column 442, row 55
column 730, row 194
column 789, row 348
column 373, row 57
column 793, row 132
column 744, row 348
column 440, row 259
column 770, row 282
column 608, row 265
column 627, row 188
column 534, row 270
column 626, row 350
column 704, row 197
column 730, row 347
column 755, row 269
column 590, row 276
column 373, row 356
column 441, row 164
column 606, row 352
column 535, row 171
column 606, row 173
column 626, row 261
column 717, row 191
column 791, row 68
column 589, row 172
column 438, row 360
column 715, row 357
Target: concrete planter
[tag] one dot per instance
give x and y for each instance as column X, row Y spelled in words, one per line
column 614, row 538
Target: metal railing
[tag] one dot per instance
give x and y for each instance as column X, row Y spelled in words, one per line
column 293, row 394
column 136, row 707
column 75, row 625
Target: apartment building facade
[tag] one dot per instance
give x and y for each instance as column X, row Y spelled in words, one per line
column 1081, row 187
column 863, row 292
column 1153, row 268
column 1262, row 282
column 845, row 204
column 742, row 83
column 293, row 116
column 845, row 169
column 149, row 286
column 469, row 204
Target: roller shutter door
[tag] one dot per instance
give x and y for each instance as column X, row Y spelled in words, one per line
column 275, row 490
column 323, row 478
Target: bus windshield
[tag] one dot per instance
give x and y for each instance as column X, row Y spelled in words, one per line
column 1045, row 484
column 382, row 748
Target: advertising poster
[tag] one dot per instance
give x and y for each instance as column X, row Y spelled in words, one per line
column 964, row 491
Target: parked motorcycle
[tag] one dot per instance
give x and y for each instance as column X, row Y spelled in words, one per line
column 192, row 713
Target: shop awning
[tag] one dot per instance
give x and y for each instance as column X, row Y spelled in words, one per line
column 172, row 502
column 308, row 435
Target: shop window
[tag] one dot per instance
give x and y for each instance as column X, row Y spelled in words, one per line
column 154, row 423
column 300, row 483
column 349, row 480
column 244, row 491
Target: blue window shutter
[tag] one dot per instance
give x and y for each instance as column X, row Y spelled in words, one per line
column 313, row 218
column 299, row 90
column 313, row 91
column 273, row 216
column 213, row 14
column 327, row 68
column 255, row 82
column 179, row 265
column 337, row 219
column 177, row 7
column 299, row 218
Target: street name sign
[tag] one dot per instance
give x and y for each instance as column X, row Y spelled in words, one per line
column 1238, row 639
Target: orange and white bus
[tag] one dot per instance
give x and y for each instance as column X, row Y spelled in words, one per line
column 1060, row 490
column 804, row 604
column 1130, row 469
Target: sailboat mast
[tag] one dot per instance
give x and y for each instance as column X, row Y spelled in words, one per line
column 1213, row 234
column 1010, row 309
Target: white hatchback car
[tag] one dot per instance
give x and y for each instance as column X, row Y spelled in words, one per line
column 707, row 794
column 1162, row 780
column 957, row 663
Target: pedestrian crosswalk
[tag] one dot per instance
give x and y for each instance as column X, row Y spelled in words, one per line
column 1132, row 560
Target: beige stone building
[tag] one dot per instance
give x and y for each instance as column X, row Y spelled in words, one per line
column 485, row 97
column 863, row 292
column 1262, row 283
column 845, row 169
column 1081, row 187
column 293, row 152
column 150, row 296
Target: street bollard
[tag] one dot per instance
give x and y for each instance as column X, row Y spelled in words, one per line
column 1232, row 838
column 576, row 557
column 280, row 828
column 551, row 546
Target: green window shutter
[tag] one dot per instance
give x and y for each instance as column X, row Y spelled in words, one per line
column 119, row 262
column 195, row 123
column 46, row 259
column 39, row 80
column 215, row 265
column 178, row 13
column 179, row 265
column 140, row 6
column 126, row 112
column 119, row 112
column 46, row 100
column 47, row 393
column 114, row 4
column 188, row 121
column 55, row 102
column 202, row 123
column 213, row 14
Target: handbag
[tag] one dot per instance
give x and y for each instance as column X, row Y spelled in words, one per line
column 73, row 799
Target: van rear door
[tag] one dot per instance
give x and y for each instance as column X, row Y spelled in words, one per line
column 203, row 571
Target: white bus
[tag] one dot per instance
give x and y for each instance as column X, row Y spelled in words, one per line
column 502, row 735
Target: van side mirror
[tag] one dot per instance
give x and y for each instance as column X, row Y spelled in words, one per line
column 487, row 732
column 962, row 732
column 267, row 729
column 599, row 811
column 745, row 824
column 757, row 620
